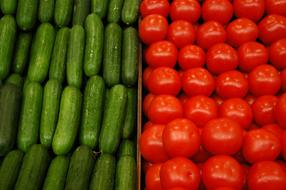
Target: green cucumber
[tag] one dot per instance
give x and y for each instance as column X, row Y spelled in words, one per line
column 127, row 148
column 130, row 11
column 63, row 12
column 80, row 11
column 112, row 54
column 114, row 10
column 15, row 79
column 26, row 15
column 59, row 56
column 94, row 45
column 125, row 173
column 68, row 121
column 30, row 116
column 113, row 119
column 57, row 172
column 34, row 167
column 75, row 56
column 104, row 173
column 8, row 7
column 50, row 111
column 99, row 7
column 46, row 10
column 129, row 124
column 41, row 52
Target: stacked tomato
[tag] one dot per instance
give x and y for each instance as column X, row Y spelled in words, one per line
column 216, row 104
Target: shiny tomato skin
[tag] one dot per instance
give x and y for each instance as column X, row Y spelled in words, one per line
column 146, row 73
column 276, row 7
column 191, row 56
column 147, row 102
column 280, row 111
column 189, row 10
column 148, row 125
column 243, row 8
column 283, row 79
column 152, row 179
column 274, row 129
column 160, row 7
column 277, row 53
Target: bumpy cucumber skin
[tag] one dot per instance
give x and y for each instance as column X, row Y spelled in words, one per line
column 63, row 12
column 26, row 15
column 127, row 148
column 99, row 7
column 46, row 10
column 125, row 173
column 130, row 11
column 114, row 10
column 80, row 11
column 8, row 7
column 16, row 80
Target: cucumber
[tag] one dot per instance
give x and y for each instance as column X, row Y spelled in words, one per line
column 59, row 56
column 34, row 167
column 63, row 12
column 80, row 169
column 26, row 15
column 50, row 111
column 127, row 148
column 130, row 11
column 68, row 121
column 10, row 102
column 8, row 7
column 21, row 55
column 94, row 45
column 46, row 10
column 114, row 10
column 8, row 30
column 99, row 7
column 41, row 52
column 30, row 116
column 113, row 118
column 80, row 11
column 75, row 56
column 104, row 173
column 112, row 54
column 129, row 124
column 10, row 169
column 125, row 173
column 56, row 175
column 15, row 79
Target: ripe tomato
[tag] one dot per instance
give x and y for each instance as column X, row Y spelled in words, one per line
column 251, row 9
column 264, row 80
column 283, row 79
column 146, row 165
column 164, row 108
column 251, row 54
column 152, row 179
column 161, row 54
column 198, row 81
column 179, row 172
column 153, row 28
column 191, row 56
column 224, row 188
column 160, row 7
column 277, row 53
column 148, row 125
column 146, row 74
column 283, row 144
column 274, row 129
column 210, row 33
column 147, row 102
column 181, row 33
column 221, row 58
column 276, row 7
column 280, row 111
column 217, row 99
column 189, row 10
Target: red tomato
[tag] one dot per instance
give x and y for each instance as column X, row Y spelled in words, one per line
column 272, row 28
column 161, row 54
column 263, row 109
column 231, row 84
column 250, row 99
column 266, row 175
column 276, row 7
column 188, row 10
column 160, row 7
column 200, row 109
column 164, row 108
column 178, row 188
column 222, row 136
column 201, row 156
column 210, row 33
column 224, row 188
column 146, row 165
column 218, row 99
column 179, row 172
column 221, row 171
column 280, row 111
column 153, row 28
column 148, row 125
column 283, row 79
column 191, row 56
column 274, row 129
column 152, row 179
column 146, row 75
column 198, row 81
column 221, row 58
column 251, row 9
column 251, row 54
column 147, row 102
column 277, row 53
column 241, row 30
column 181, row 33
column 264, row 80
column 283, row 144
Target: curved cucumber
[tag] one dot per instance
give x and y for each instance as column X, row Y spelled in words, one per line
column 8, row 7
column 130, row 11
column 80, row 11
column 27, row 14
column 63, row 12
column 46, row 10
column 99, row 7
column 114, row 10
column 127, row 148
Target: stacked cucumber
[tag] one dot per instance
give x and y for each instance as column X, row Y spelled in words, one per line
column 68, row 97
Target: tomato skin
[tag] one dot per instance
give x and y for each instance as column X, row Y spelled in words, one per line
column 161, row 54
column 242, row 8
column 277, row 53
column 224, row 188
column 146, row 165
column 189, row 10
column 250, row 99
column 153, row 28
column 191, row 56
column 276, row 7
column 152, row 179
column 274, row 129
column 280, row 111
column 283, row 79
column 201, row 156
column 160, row 7
column 146, row 73
column 283, row 144
column 147, row 102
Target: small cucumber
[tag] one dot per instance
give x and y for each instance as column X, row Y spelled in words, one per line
column 8, row 7
column 15, row 79
column 125, row 173
column 99, row 7
column 114, row 10
column 80, row 11
column 130, row 11
column 26, row 15
column 127, row 148
column 129, row 124
column 63, row 12
column 46, row 10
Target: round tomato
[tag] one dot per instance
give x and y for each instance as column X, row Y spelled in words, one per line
column 148, row 125
column 276, row 7
column 280, row 111
column 191, row 56
column 160, row 7
column 283, row 144
column 283, row 79
column 189, row 10
column 152, row 179
column 147, row 102
column 243, row 8
column 277, row 53
column 146, row 74
column 201, row 156
column 274, row 129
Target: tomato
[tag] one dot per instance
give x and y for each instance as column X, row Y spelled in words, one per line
column 146, row 165
column 210, row 33
column 152, row 179
column 146, row 74
column 241, row 30
column 161, row 54
column 231, row 84
column 181, row 33
column 201, row 156
column 191, row 56
column 250, row 99
column 251, row 9
column 272, row 28
column 179, row 172
column 222, row 136
column 217, row 10
column 153, row 28
column 251, row 54
column 222, row 170
column 164, row 108
column 160, row 7
column 198, row 81
column 260, row 145
column 147, row 102
column 264, row 80
column 224, row 188
column 266, row 175
column 276, row 7
column 263, row 109
column 200, row 109
column 189, row 10
column 280, row 111
column 238, row 110
column 274, row 129
column 217, row 99
column 277, row 53
column 181, row 137
column 151, row 145
column 148, row 125
column 221, row 58
column 283, row 144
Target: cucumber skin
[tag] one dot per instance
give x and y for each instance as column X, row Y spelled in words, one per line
column 99, row 7
column 63, row 12
column 46, row 10
column 127, row 148
column 8, row 7
column 130, row 11
column 16, row 80
column 114, row 10
column 125, row 173
column 80, row 11
column 26, row 15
